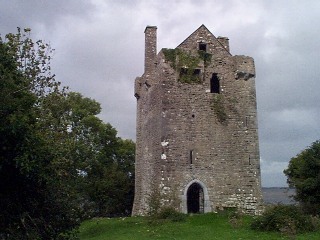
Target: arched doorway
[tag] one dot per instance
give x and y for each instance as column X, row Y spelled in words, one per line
column 190, row 192
column 195, row 198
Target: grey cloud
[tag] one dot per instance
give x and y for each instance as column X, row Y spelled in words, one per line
column 39, row 14
column 100, row 50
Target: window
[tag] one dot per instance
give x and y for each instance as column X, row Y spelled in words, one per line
column 189, row 75
column 185, row 71
column 214, row 84
column 196, row 72
column 246, row 122
column 191, row 156
column 202, row 47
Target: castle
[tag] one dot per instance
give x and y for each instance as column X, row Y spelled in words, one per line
column 197, row 136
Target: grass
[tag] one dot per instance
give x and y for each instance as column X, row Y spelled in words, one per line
column 206, row 226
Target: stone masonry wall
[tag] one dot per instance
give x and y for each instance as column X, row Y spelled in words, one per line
column 181, row 139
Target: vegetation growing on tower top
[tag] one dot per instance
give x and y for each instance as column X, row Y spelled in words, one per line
column 186, row 63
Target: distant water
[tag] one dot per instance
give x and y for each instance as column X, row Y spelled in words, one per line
column 278, row 195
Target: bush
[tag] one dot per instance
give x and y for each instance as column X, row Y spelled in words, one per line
column 235, row 218
column 303, row 175
column 285, row 219
column 169, row 213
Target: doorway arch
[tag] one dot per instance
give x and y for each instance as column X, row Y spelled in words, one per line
column 195, row 198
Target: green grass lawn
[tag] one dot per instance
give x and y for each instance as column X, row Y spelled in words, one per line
column 201, row 227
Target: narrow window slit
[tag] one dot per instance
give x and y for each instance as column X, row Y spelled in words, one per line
column 214, row 84
column 191, row 155
column 247, row 121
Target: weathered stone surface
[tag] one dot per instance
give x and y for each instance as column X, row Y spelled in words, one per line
column 198, row 132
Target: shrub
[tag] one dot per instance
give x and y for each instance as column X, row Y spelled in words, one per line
column 303, row 175
column 168, row 213
column 154, row 202
column 284, row 219
column 235, row 218
column 171, row 214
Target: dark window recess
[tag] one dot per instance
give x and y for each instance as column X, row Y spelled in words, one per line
column 247, row 121
column 202, row 47
column 196, row 72
column 191, row 156
column 249, row 160
column 215, row 84
column 185, row 71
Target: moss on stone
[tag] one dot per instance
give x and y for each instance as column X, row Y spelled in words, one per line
column 206, row 57
column 190, row 78
column 189, row 63
column 219, row 109
column 170, row 56
column 186, row 63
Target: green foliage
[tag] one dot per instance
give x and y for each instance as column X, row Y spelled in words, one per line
column 285, row 219
column 33, row 61
column 303, row 174
column 37, row 200
column 169, row 213
column 186, row 63
column 104, row 161
column 206, row 57
column 170, row 56
column 158, row 212
column 154, row 201
column 219, row 109
column 34, row 201
column 235, row 218
column 110, row 181
column 54, row 150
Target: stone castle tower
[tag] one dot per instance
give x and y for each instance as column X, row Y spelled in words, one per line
column 197, row 137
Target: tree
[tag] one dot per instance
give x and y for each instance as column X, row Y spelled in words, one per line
column 59, row 163
column 36, row 200
column 110, row 179
column 16, row 119
column 104, row 161
column 303, row 174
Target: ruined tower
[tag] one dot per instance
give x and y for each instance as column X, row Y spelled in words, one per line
column 197, row 137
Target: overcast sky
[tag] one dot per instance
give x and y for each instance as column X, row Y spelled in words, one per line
column 100, row 50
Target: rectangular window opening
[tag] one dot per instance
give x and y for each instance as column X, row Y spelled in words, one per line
column 203, row 47
column 185, row 71
column 191, row 156
column 196, row 72
column 247, row 121
column 214, row 84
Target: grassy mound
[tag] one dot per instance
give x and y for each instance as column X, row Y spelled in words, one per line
column 202, row 226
